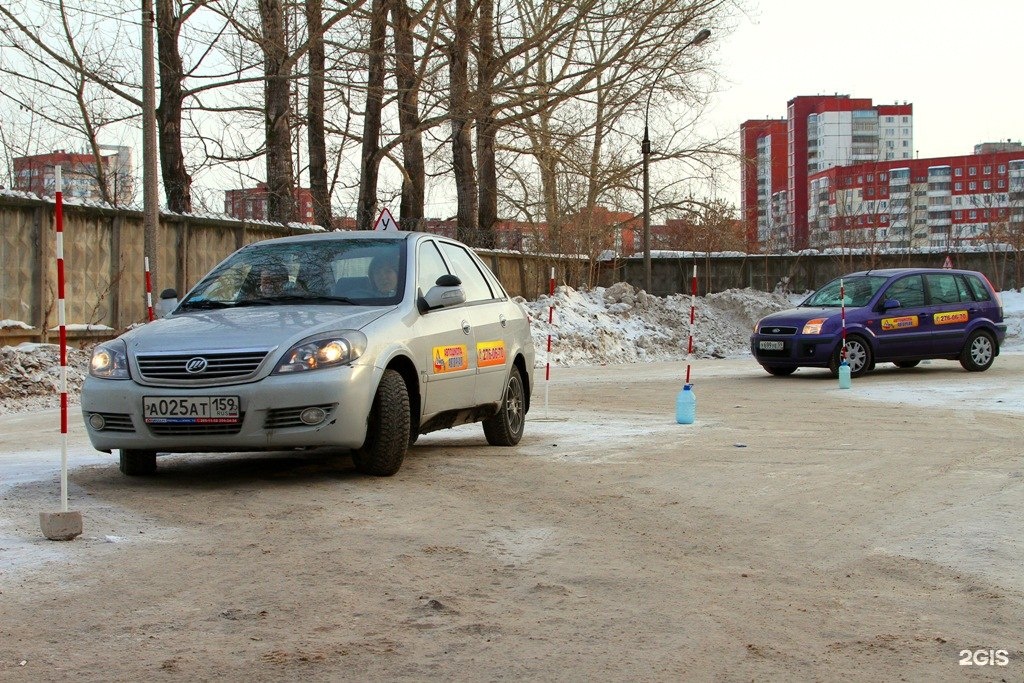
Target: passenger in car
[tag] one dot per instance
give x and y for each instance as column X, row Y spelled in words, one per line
column 273, row 279
column 384, row 274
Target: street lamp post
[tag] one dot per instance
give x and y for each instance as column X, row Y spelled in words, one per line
column 645, row 149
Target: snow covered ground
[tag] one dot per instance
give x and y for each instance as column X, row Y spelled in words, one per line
column 617, row 324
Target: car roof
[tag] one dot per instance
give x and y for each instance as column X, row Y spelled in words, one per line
column 892, row 272
column 334, row 235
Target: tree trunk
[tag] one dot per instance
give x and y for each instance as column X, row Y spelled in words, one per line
column 280, row 173
column 462, row 145
column 487, row 129
column 316, row 137
column 177, row 181
column 414, row 172
column 370, row 162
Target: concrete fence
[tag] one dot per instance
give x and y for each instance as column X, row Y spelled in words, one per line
column 105, row 276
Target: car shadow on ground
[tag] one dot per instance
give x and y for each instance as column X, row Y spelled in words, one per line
column 884, row 370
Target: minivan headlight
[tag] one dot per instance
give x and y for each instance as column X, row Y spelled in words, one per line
column 814, row 326
column 323, row 351
column 109, row 360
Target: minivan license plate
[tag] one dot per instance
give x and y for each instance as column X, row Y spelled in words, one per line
column 771, row 345
column 190, row 409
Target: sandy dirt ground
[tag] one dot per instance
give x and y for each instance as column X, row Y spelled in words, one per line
column 796, row 532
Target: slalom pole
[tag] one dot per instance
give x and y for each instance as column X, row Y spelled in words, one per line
column 693, row 320
column 551, row 318
column 149, row 292
column 842, row 315
column 62, row 323
column 64, row 525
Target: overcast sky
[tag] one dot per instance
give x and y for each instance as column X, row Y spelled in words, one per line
column 956, row 62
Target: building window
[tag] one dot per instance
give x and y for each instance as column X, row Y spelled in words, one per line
column 871, row 177
column 871, row 192
column 1002, row 183
column 987, row 170
column 986, row 185
column 972, row 171
column 881, row 177
column 972, row 186
column 958, row 186
column 1002, row 169
column 958, row 215
column 958, row 172
column 972, row 215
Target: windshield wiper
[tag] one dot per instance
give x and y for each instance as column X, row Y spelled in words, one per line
column 298, row 298
column 205, row 304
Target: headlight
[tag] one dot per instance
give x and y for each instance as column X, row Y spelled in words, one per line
column 323, row 351
column 109, row 361
column 814, row 326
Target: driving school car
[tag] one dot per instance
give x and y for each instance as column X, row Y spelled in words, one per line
column 902, row 315
column 325, row 359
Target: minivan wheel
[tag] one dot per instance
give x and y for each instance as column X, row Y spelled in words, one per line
column 387, row 429
column 136, row 463
column 979, row 352
column 506, row 427
column 858, row 356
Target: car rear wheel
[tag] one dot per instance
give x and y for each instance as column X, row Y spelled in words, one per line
column 858, row 356
column 978, row 352
column 387, row 429
column 906, row 363
column 779, row 371
column 506, row 428
column 136, row 463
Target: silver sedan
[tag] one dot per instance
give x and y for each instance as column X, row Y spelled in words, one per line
column 343, row 340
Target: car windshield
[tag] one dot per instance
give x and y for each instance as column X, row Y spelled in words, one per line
column 857, row 290
column 355, row 272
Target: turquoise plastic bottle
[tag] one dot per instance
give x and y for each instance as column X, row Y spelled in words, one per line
column 844, row 375
column 686, row 406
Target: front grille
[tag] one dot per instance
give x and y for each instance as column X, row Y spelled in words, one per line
column 175, row 429
column 219, row 366
column 777, row 329
column 116, row 422
column 282, row 418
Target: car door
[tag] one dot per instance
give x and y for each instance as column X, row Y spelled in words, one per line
column 952, row 309
column 484, row 309
column 447, row 345
column 904, row 331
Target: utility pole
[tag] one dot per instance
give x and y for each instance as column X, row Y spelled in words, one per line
column 150, row 192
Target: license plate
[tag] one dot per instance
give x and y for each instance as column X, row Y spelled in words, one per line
column 771, row 345
column 190, row 409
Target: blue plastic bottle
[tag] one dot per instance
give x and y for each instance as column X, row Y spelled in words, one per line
column 844, row 375
column 686, row 406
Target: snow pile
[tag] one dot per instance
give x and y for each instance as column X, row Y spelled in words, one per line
column 620, row 324
column 30, row 376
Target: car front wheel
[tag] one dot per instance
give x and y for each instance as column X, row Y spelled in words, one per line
column 506, row 427
column 136, row 463
column 858, row 356
column 387, row 429
column 978, row 352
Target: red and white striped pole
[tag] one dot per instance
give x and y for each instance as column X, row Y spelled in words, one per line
column 62, row 323
column 551, row 318
column 693, row 320
column 842, row 315
column 149, row 292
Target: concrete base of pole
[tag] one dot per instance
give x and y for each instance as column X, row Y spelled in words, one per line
column 61, row 526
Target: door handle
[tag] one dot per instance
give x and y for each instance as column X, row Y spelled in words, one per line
column 503, row 320
column 465, row 327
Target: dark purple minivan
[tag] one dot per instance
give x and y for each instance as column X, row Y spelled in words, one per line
column 899, row 315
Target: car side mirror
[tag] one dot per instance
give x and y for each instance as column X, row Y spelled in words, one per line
column 168, row 302
column 440, row 296
column 890, row 304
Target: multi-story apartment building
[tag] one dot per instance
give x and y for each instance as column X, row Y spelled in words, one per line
column 80, row 176
column 762, row 177
column 251, row 203
column 821, row 132
column 939, row 202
